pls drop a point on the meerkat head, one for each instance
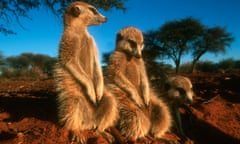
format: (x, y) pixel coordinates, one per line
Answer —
(130, 40)
(82, 14)
(180, 87)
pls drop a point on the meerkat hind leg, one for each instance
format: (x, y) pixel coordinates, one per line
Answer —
(106, 115)
(106, 112)
(134, 123)
(160, 117)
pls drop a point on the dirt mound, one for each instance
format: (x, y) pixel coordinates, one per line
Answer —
(28, 113)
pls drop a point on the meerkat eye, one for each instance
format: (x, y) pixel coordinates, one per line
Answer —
(181, 91)
(94, 11)
(132, 43)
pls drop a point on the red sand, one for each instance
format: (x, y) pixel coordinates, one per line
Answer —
(28, 113)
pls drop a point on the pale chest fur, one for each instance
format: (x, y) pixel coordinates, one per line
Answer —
(132, 71)
(85, 54)
(78, 49)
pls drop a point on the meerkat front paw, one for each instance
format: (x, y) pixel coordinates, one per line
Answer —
(137, 98)
(91, 94)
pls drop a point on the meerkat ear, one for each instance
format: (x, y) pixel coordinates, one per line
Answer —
(75, 11)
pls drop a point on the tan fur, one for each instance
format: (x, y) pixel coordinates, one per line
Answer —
(83, 101)
(185, 84)
(178, 90)
(140, 111)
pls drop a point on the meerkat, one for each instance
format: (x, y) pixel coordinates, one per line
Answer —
(177, 91)
(140, 111)
(83, 102)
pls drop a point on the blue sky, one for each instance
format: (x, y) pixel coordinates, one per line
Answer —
(43, 33)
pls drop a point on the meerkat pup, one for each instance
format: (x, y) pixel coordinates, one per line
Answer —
(141, 112)
(178, 91)
(83, 103)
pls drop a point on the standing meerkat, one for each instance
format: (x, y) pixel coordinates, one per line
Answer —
(177, 91)
(83, 103)
(141, 112)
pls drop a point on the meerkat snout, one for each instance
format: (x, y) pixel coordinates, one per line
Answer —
(137, 54)
(102, 19)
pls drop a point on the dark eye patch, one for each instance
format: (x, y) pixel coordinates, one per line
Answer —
(94, 11)
(132, 43)
(181, 91)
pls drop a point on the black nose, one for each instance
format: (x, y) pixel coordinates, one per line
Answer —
(138, 56)
(105, 19)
